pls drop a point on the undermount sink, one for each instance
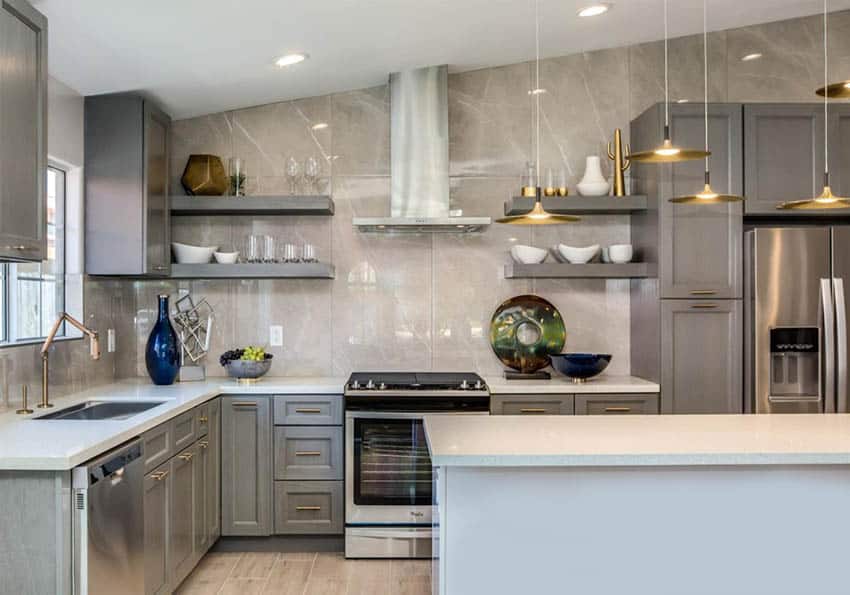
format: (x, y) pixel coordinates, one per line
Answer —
(103, 410)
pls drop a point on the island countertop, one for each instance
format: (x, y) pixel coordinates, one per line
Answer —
(650, 440)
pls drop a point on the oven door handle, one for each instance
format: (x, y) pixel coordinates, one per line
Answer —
(360, 414)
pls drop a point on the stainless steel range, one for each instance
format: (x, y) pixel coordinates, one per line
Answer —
(388, 479)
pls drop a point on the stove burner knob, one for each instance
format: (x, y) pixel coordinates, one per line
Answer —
(464, 385)
(370, 385)
(355, 385)
(478, 385)
(382, 386)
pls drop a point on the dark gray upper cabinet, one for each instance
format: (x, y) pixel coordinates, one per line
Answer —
(697, 247)
(23, 132)
(839, 148)
(126, 170)
(783, 154)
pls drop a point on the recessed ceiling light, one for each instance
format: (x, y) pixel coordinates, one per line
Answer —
(320, 126)
(537, 91)
(290, 59)
(753, 56)
(594, 10)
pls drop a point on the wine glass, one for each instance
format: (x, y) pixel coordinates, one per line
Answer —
(293, 170)
(311, 172)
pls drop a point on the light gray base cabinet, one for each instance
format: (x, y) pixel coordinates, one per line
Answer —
(308, 507)
(617, 404)
(531, 404)
(581, 404)
(181, 496)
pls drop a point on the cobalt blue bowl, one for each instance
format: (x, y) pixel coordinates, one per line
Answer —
(580, 366)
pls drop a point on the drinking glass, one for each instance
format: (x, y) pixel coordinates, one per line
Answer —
(562, 183)
(309, 253)
(237, 173)
(549, 189)
(290, 253)
(254, 247)
(268, 249)
(311, 173)
(293, 170)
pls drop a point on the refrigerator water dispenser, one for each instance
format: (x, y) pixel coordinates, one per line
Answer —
(794, 363)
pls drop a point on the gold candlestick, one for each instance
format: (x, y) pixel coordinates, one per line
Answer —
(621, 162)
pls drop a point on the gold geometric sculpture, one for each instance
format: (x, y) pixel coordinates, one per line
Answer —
(204, 176)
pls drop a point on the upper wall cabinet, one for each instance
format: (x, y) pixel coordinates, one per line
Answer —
(839, 151)
(127, 204)
(23, 132)
(697, 247)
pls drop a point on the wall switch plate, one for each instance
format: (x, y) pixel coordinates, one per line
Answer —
(110, 340)
(276, 336)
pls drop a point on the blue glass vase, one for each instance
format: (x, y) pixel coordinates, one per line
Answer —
(162, 355)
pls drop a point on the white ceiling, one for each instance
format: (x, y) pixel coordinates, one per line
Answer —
(204, 56)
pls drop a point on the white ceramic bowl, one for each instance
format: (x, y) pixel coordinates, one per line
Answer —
(620, 253)
(226, 257)
(186, 254)
(576, 255)
(528, 254)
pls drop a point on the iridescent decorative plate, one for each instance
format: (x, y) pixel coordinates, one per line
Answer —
(525, 330)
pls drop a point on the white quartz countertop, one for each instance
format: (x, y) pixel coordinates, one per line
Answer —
(498, 385)
(40, 445)
(650, 440)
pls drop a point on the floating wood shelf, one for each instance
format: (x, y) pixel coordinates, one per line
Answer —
(300, 270)
(630, 270)
(313, 205)
(579, 205)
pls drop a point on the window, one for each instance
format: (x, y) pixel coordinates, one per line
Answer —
(33, 294)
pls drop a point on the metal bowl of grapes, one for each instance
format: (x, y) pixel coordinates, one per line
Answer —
(246, 365)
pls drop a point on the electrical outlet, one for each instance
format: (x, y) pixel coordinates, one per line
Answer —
(110, 340)
(276, 336)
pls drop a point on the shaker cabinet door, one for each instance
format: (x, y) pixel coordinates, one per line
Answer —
(158, 223)
(23, 132)
(701, 245)
(213, 476)
(246, 466)
(701, 356)
(156, 503)
(783, 155)
(181, 531)
(839, 149)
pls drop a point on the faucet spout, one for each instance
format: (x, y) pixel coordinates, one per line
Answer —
(94, 350)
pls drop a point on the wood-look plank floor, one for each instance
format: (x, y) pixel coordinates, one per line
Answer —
(248, 573)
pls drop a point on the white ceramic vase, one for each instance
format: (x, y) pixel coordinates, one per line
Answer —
(593, 183)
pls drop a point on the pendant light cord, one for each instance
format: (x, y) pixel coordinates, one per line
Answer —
(705, 75)
(666, 70)
(825, 96)
(537, 90)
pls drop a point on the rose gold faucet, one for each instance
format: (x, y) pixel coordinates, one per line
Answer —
(94, 350)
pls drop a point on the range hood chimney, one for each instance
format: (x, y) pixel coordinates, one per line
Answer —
(419, 157)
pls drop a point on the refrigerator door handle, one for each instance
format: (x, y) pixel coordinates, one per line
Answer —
(828, 313)
(840, 343)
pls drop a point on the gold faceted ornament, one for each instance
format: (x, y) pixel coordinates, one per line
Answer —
(204, 176)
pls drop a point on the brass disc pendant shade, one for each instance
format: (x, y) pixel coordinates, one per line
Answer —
(667, 152)
(538, 215)
(826, 199)
(707, 196)
(835, 90)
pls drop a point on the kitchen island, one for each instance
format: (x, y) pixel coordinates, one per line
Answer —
(658, 505)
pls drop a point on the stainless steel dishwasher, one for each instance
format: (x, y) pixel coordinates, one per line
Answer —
(109, 530)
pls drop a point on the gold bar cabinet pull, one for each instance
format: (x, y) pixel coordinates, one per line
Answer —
(308, 410)
(160, 475)
(532, 410)
(244, 404)
(617, 409)
(703, 306)
(308, 453)
(299, 508)
(703, 292)
(24, 410)
(186, 456)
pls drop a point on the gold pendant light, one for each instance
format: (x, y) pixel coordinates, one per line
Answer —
(826, 199)
(667, 152)
(707, 196)
(835, 90)
(538, 215)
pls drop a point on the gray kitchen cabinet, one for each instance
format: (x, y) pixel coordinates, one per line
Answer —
(23, 132)
(617, 404)
(200, 530)
(213, 476)
(308, 410)
(698, 248)
(531, 404)
(839, 150)
(183, 432)
(126, 183)
(308, 507)
(702, 356)
(246, 466)
(181, 515)
(156, 504)
(308, 452)
(158, 445)
(783, 155)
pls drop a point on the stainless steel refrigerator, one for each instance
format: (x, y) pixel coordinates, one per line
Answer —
(795, 317)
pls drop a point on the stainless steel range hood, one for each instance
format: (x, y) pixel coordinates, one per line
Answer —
(419, 157)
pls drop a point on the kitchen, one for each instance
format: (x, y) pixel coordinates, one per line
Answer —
(280, 486)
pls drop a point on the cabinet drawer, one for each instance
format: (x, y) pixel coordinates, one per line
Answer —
(308, 507)
(308, 410)
(202, 420)
(158, 445)
(184, 430)
(308, 452)
(532, 405)
(642, 404)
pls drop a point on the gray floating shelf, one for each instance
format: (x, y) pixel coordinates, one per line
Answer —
(579, 205)
(300, 270)
(630, 270)
(252, 205)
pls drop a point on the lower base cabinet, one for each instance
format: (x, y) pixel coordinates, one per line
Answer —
(157, 498)
(308, 507)
(617, 404)
(581, 404)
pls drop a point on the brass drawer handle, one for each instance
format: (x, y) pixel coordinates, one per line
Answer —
(159, 267)
(203, 419)
(300, 508)
(244, 404)
(703, 306)
(703, 292)
(617, 409)
(204, 444)
(308, 453)
(160, 475)
(21, 248)
(308, 411)
(186, 456)
(533, 410)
